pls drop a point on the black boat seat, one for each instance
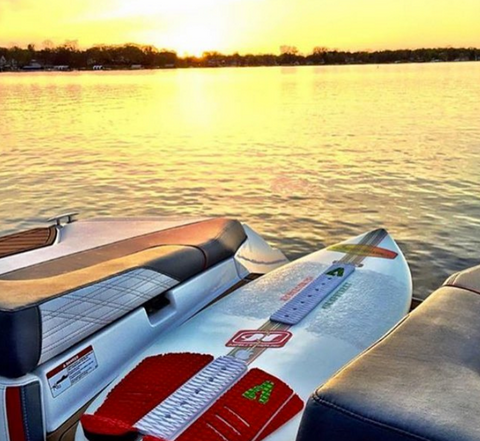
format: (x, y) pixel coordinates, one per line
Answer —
(167, 259)
(216, 239)
(49, 307)
(420, 382)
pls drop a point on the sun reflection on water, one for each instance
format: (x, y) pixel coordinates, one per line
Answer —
(308, 156)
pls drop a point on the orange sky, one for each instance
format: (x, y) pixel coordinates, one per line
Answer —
(193, 26)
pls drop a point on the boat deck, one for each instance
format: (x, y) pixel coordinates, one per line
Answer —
(27, 241)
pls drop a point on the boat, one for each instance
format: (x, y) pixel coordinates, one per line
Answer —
(246, 347)
(244, 368)
(33, 66)
(80, 298)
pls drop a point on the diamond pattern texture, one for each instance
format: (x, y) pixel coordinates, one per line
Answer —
(176, 412)
(69, 319)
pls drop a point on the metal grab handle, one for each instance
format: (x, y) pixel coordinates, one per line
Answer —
(69, 217)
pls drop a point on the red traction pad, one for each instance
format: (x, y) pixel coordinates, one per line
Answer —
(251, 410)
(153, 380)
(257, 405)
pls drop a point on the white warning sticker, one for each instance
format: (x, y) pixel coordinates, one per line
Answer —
(72, 371)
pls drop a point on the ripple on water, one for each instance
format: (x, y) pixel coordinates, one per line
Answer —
(307, 156)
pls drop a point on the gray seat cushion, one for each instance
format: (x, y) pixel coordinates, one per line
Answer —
(421, 382)
(48, 307)
(210, 242)
(468, 279)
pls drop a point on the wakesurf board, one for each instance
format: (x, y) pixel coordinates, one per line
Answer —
(242, 369)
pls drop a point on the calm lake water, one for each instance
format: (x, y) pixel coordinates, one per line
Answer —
(308, 156)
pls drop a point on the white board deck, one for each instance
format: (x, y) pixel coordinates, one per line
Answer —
(373, 299)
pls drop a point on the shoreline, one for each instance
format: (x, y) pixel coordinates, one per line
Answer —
(137, 57)
(136, 69)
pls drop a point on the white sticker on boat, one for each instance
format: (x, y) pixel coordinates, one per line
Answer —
(72, 371)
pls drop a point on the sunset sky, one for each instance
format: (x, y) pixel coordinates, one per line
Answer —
(193, 26)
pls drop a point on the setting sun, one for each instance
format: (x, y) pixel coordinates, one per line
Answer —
(192, 40)
(194, 26)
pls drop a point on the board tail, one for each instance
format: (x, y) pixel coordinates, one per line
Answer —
(252, 409)
(255, 404)
(153, 380)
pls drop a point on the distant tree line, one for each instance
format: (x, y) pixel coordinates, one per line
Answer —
(69, 54)
(131, 55)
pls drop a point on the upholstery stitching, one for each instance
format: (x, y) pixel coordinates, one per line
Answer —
(103, 289)
(91, 321)
(75, 300)
(63, 294)
(52, 315)
(90, 326)
(107, 303)
(228, 228)
(87, 325)
(474, 291)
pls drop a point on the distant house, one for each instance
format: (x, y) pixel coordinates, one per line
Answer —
(12, 65)
(62, 68)
(97, 67)
(33, 66)
(136, 66)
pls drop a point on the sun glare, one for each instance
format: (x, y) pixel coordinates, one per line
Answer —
(190, 27)
(194, 40)
(127, 8)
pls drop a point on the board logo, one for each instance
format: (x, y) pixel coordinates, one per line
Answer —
(337, 272)
(363, 250)
(259, 339)
(261, 392)
(290, 294)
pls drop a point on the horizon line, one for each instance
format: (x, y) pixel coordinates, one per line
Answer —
(74, 45)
